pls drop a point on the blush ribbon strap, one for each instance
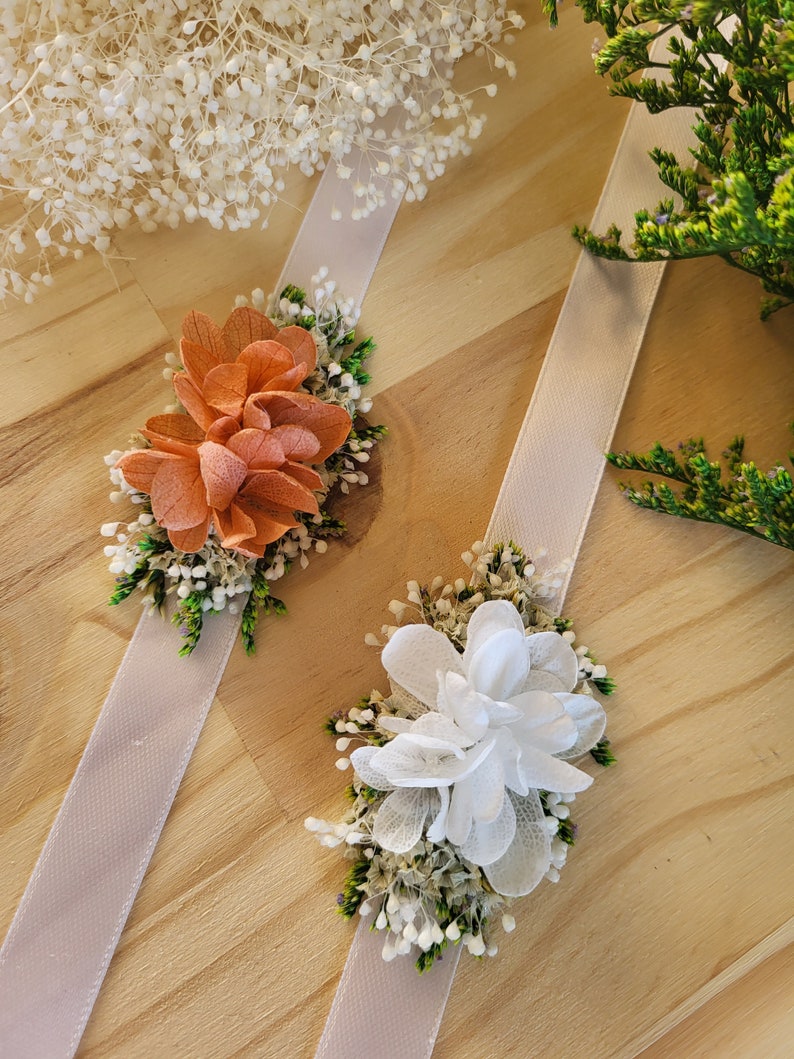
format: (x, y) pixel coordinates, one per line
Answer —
(73, 910)
(385, 1010)
(82, 888)
(545, 500)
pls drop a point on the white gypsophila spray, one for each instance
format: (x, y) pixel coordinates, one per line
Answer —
(115, 112)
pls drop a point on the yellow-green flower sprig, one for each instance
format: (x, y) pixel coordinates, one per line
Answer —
(737, 200)
(745, 499)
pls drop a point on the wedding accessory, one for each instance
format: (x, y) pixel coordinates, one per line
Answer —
(545, 500)
(463, 787)
(68, 923)
(232, 489)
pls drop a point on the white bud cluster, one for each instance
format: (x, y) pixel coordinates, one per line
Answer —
(117, 112)
(331, 835)
(407, 922)
(588, 669)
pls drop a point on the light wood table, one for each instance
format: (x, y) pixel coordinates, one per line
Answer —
(670, 932)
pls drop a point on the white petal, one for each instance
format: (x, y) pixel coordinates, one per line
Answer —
(459, 818)
(529, 855)
(553, 663)
(431, 744)
(404, 761)
(538, 707)
(395, 724)
(400, 819)
(368, 773)
(403, 702)
(547, 773)
(462, 702)
(436, 725)
(487, 842)
(487, 787)
(500, 713)
(509, 753)
(500, 666)
(590, 719)
(413, 656)
(554, 737)
(421, 761)
(489, 618)
(438, 829)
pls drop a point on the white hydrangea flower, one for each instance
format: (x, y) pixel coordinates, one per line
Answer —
(501, 721)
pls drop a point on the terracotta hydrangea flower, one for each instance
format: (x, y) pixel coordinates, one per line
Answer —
(240, 457)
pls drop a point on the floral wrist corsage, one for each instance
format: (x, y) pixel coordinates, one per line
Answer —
(232, 481)
(465, 777)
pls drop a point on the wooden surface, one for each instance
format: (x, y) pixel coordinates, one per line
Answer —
(670, 933)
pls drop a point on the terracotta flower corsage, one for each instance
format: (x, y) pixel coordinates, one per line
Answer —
(232, 482)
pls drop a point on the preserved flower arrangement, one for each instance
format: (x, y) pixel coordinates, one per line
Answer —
(464, 781)
(231, 483)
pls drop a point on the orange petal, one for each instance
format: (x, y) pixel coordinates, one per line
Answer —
(248, 530)
(222, 429)
(234, 526)
(176, 426)
(223, 473)
(329, 423)
(274, 489)
(190, 398)
(265, 361)
(298, 442)
(303, 346)
(305, 475)
(179, 497)
(139, 468)
(259, 449)
(288, 380)
(245, 326)
(198, 328)
(226, 388)
(197, 361)
(254, 415)
(191, 540)
(270, 525)
(176, 448)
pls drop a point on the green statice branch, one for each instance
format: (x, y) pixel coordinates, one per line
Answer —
(152, 580)
(735, 196)
(260, 601)
(739, 496)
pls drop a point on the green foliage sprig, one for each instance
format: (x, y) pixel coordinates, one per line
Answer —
(737, 200)
(745, 498)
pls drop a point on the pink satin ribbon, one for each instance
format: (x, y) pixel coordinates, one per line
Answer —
(74, 908)
(545, 500)
(68, 923)
(385, 1010)
(350, 249)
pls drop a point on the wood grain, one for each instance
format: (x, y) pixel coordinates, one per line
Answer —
(669, 934)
